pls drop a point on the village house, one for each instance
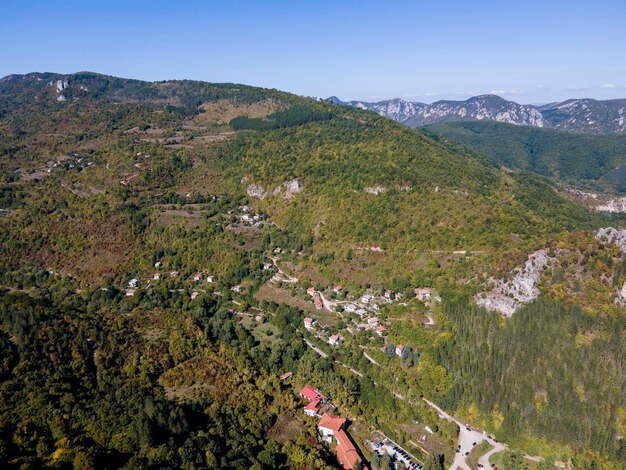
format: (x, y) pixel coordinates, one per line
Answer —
(210, 279)
(337, 289)
(174, 274)
(278, 250)
(390, 295)
(380, 330)
(372, 321)
(317, 300)
(361, 312)
(334, 340)
(197, 277)
(309, 393)
(312, 409)
(130, 292)
(285, 376)
(156, 276)
(133, 282)
(399, 349)
(366, 299)
(422, 293)
(311, 291)
(267, 266)
(350, 308)
(329, 425)
(309, 322)
(158, 264)
(194, 295)
(236, 289)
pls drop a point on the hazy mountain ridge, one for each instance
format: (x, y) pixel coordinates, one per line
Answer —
(578, 115)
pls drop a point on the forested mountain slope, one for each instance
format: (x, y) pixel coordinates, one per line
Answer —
(159, 238)
(588, 161)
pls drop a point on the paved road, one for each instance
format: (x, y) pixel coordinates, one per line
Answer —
(467, 438)
(316, 349)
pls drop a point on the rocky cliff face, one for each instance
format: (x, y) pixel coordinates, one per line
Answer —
(506, 296)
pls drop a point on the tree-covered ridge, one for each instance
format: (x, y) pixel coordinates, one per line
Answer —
(588, 161)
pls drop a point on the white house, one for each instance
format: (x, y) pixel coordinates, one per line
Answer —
(156, 276)
(361, 312)
(158, 264)
(174, 274)
(133, 282)
(309, 322)
(399, 349)
(350, 308)
(366, 299)
(372, 321)
(197, 277)
(209, 279)
(334, 340)
(423, 293)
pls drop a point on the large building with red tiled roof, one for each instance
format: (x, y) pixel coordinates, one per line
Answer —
(329, 425)
(347, 454)
(312, 394)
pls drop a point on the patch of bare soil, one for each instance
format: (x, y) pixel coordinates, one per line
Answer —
(223, 111)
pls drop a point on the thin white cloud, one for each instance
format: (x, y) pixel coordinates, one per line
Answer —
(507, 92)
(578, 88)
(612, 86)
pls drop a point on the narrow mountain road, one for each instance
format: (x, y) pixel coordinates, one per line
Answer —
(283, 277)
(315, 348)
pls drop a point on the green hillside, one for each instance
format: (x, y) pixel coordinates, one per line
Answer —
(593, 162)
(106, 183)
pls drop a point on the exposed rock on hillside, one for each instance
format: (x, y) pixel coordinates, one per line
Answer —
(612, 235)
(375, 190)
(254, 190)
(288, 189)
(600, 202)
(506, 296)
(291, 188)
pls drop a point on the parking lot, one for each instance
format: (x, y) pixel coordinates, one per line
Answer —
(396, 453)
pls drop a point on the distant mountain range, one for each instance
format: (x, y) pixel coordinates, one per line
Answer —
(578, 115)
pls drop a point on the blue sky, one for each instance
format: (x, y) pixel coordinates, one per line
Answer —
(529, 51)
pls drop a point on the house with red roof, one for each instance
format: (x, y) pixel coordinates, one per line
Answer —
(399, 349)
(380, 330)
(334, 340)
(318, 301)
(285, 376)
(312, 409)
(347, 454)
(329, 425)
(309, 393)
(337, 289)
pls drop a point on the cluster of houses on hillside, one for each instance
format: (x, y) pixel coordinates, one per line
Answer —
(333, 340)
(133, 284)
(248, 218)
(332, 428)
